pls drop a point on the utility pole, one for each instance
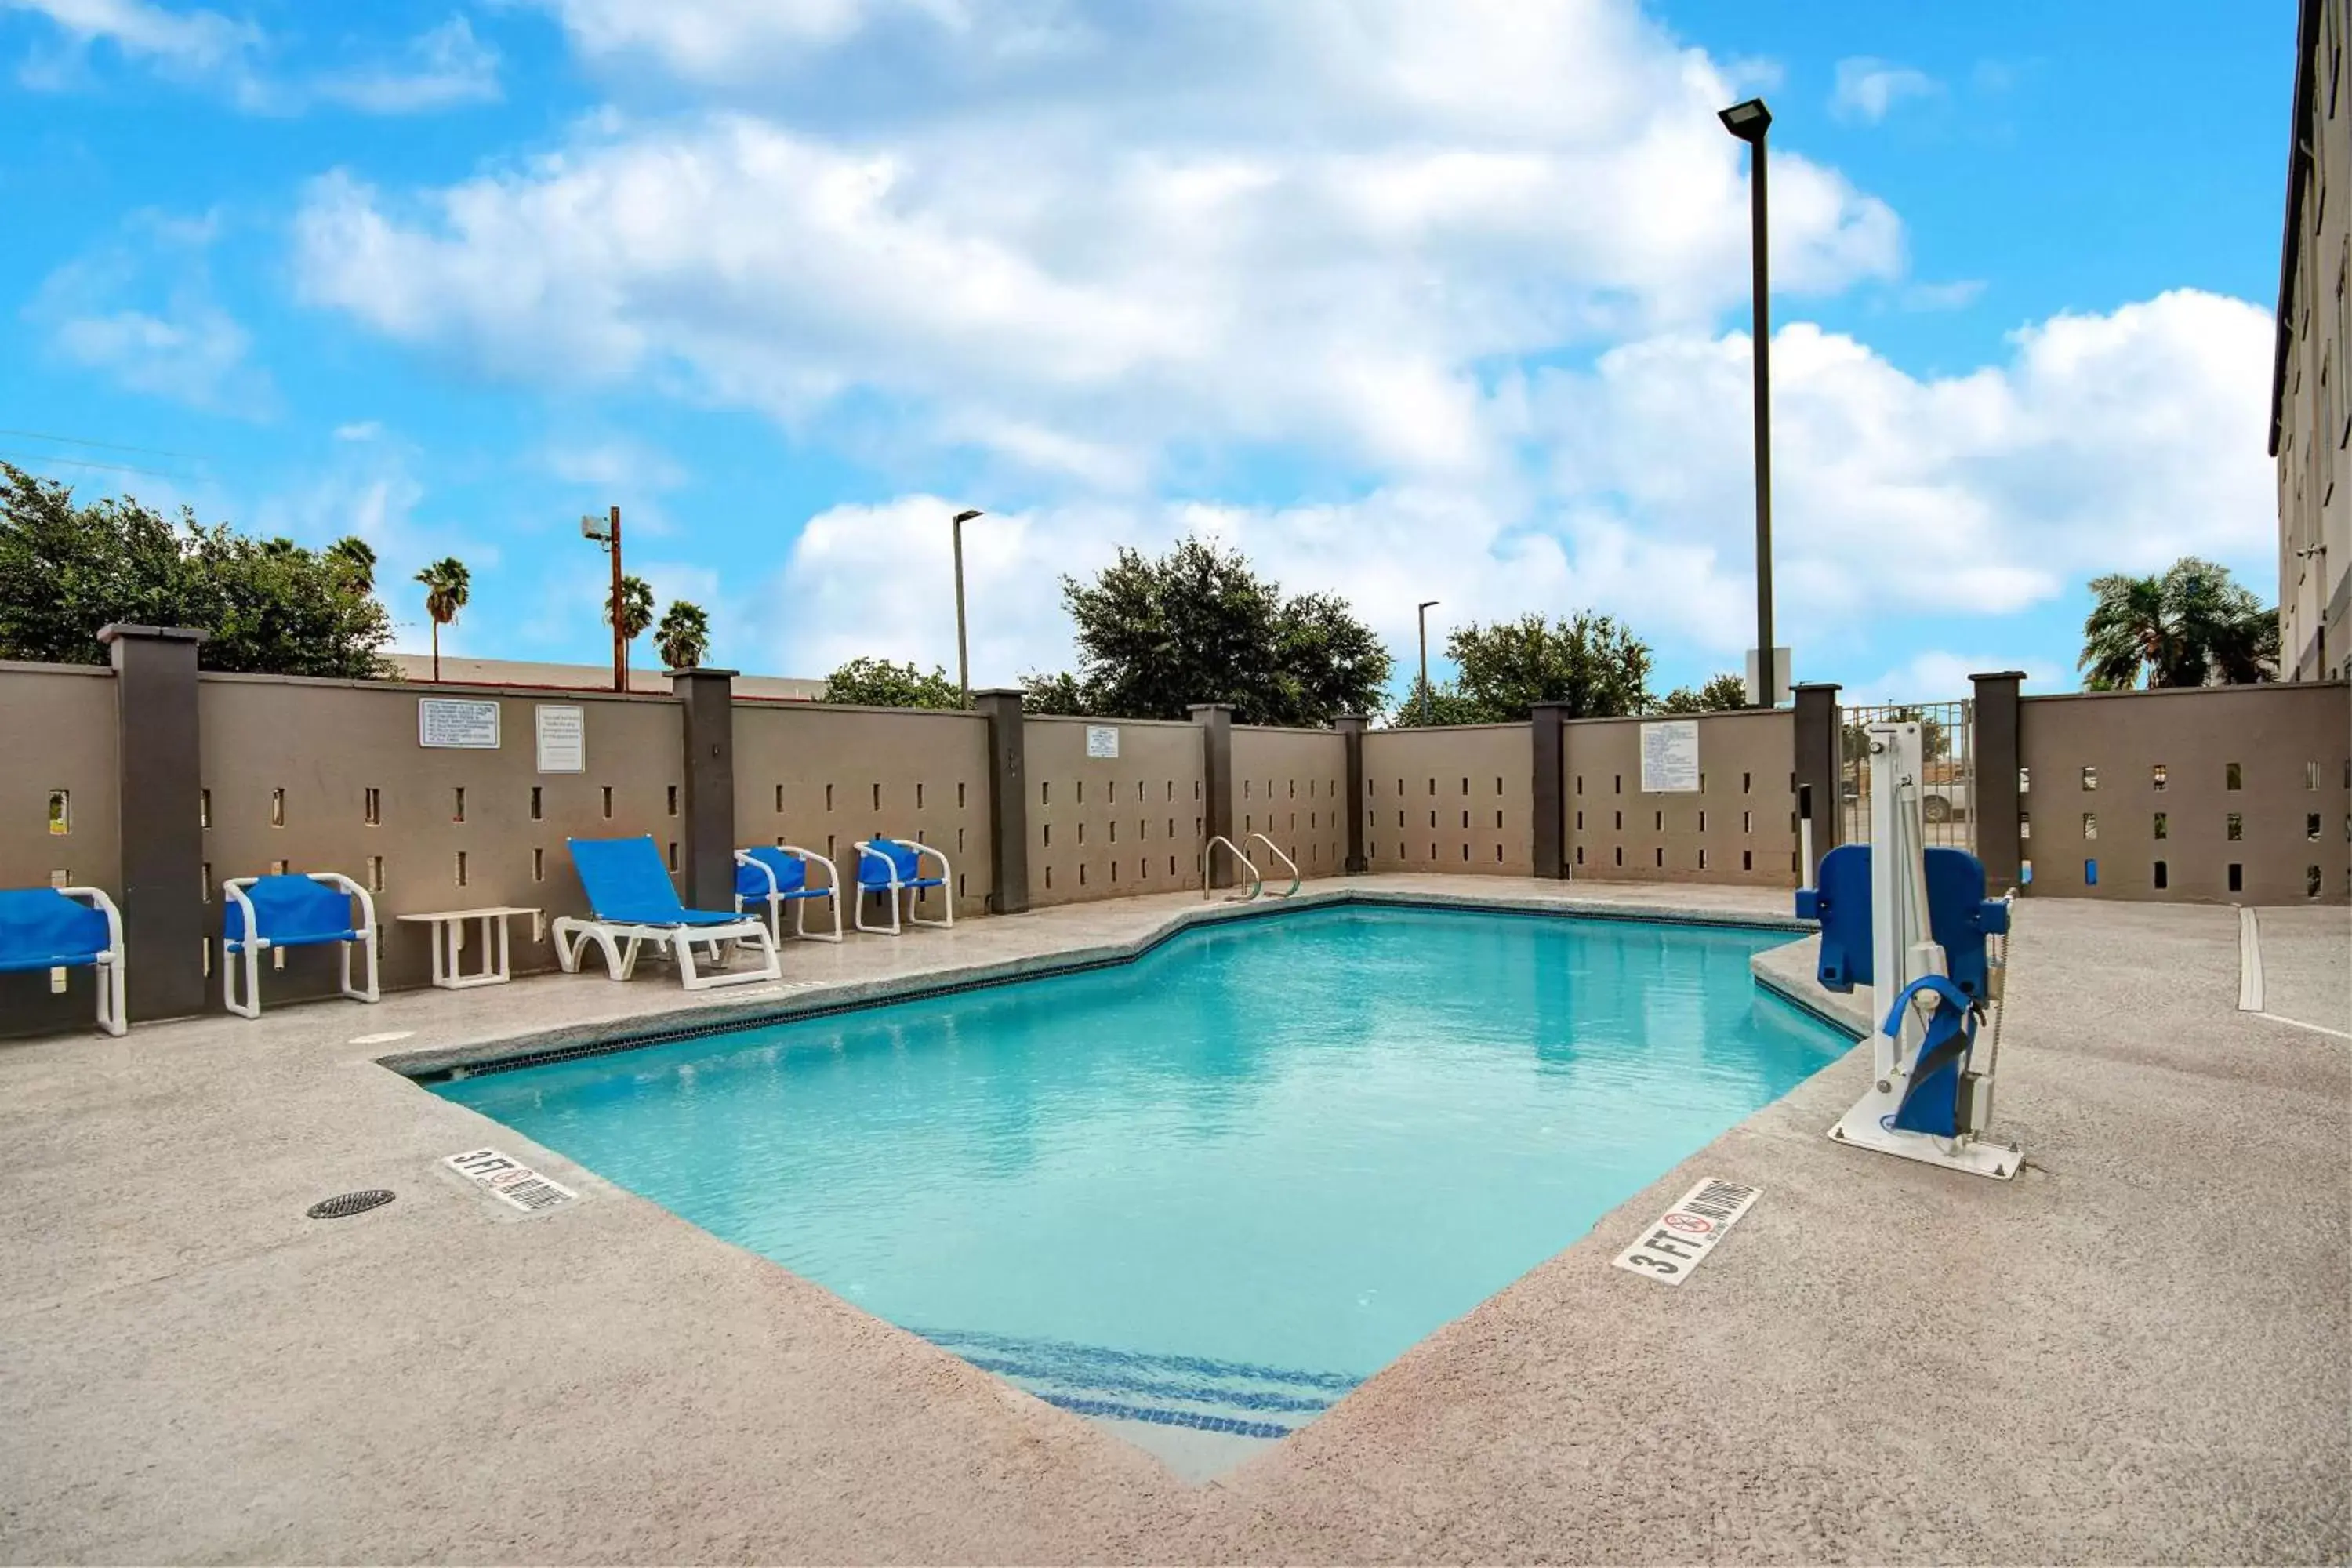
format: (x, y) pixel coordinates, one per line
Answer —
(1423, 613)
(620, 643)
(963, 654)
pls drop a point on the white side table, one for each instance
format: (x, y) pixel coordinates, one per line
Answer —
(448, 935)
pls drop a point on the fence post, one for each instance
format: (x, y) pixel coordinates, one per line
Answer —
(159, 759)
(1816, 767)
(1351, 731)
(1550, 722)
(1216, 721)
(709, 699)
(1998, 741)
(1008, 799)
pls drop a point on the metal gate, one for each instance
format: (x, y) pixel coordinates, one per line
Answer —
(1947, 749)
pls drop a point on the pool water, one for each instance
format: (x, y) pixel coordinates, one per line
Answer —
(1215, 1188)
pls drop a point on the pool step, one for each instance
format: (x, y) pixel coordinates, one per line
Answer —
(1166, 1390)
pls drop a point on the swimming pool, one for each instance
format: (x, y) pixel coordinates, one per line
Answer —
(1217, 1187)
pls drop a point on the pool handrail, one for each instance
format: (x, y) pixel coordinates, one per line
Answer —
(1287, 864)
(1208, 865)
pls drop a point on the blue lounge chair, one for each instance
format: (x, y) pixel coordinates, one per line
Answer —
(293, 910)
(774, 877)
(634, 905)
(889, 866)
(48, 928)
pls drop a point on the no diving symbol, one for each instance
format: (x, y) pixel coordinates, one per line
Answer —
(1689, 1222)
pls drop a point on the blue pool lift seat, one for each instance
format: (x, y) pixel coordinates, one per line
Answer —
(770, 879)
(65, 928)
(293, 909)
(634, 905)
(1960, 919)
(888, 868)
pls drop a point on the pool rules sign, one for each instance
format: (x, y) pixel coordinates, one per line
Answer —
(1688, 1231)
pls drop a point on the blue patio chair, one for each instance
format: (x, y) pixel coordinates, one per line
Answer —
(292, 909)
(633, 905)
(889, 866)
(774, 877)
(51, 928)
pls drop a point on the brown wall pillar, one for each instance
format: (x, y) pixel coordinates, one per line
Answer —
(1550, 722)
(1997, 739)
(156, 739)
(709, 699)
(1816, 767)
(1351, 731)
(1216, 721)
(1008, 800)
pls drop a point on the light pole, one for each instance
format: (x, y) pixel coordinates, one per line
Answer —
(1423, 613)
(963, 657)
(1750, 121)
(607, 531)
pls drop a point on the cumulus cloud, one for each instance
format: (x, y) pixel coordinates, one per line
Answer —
(140, 309)
(440, 69)
(1867, 90)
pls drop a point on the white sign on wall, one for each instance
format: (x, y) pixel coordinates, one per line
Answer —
(1102, 740)
(1670, 757)
(562, 738)
(457, 721)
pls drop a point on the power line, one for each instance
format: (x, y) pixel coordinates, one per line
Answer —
(86, 463)
(107, 445)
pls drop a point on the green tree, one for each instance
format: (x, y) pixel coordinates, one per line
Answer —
(1197, 625)
(355, 558)
(629, 605)
(879, 683)
(1061, 693)
(447, 587)
(683, 638)
(1593, 663)
(1719, 695)
(2190, 627)
(268, 607)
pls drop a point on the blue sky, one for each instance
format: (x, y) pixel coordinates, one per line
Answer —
(1406, 301)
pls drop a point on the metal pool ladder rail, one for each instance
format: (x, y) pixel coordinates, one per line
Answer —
(1287, 864)
(1208, 863)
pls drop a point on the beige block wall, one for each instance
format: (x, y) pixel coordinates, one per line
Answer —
(1106, 827)
(1739, 827)
(325, 744)
(2093, 792)
(58, 721)
(1289, 785)
(824, 778)
(1456, 799)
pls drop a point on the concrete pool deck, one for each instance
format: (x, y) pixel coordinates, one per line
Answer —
(2141, 1350)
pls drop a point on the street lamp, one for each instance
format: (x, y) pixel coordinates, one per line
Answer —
(607, 531)
(1426, 606)
(963, 657)
(1750, 121)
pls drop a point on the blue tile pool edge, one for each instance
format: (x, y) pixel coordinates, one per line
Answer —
(481, 1057)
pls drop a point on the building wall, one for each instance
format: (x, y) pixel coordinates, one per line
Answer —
(2312, 433)
(1103, 827)
(1739, 827)
(59, 719)
(1458, 799)
(288, 769)
(824, 778)
(2250, 782)
(1287, 784)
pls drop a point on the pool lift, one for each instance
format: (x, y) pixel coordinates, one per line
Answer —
(1913, 923)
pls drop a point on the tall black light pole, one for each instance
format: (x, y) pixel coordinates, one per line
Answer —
(1425, 605)
(963, 658)
(1750, 121)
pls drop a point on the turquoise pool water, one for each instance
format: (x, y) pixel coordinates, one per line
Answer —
(1217, 1187)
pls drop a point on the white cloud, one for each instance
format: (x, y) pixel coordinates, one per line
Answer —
(440, 69)
(1867, 90)
(1940, 676)
(611, 461)
(1957, 294)
(359, 430)
(141, 310)
(192, 43)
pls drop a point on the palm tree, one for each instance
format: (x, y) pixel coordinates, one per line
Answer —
(636, 613)
(2191, 626)
(355, 558)
(683, 638)
(447, 584)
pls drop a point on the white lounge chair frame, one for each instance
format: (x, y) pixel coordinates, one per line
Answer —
(621, 942)
(111, 1016)
(871, 848)
(241, 908)
(776, 898)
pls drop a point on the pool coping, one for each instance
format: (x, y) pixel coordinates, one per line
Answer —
(701, 1013)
